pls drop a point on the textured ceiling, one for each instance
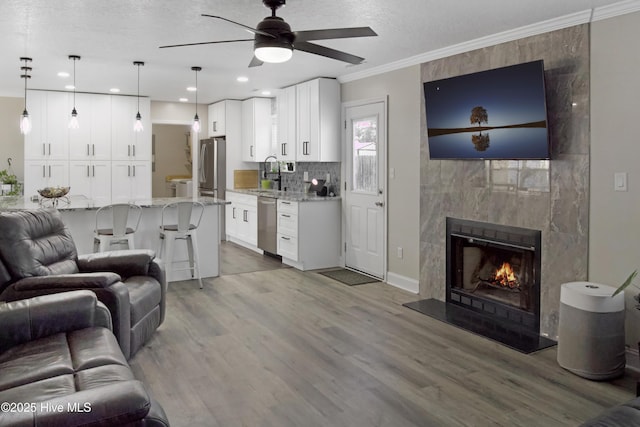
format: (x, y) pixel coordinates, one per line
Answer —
(110, 34)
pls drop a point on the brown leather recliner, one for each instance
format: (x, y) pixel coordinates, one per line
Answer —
(60, 365)
(38, 256)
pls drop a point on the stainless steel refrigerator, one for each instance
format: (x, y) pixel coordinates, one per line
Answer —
(212, 171)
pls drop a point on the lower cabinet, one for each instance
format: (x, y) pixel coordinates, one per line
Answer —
(241, 219)
(39, 174)
(130, 181)
(309, 233)
(91, 179)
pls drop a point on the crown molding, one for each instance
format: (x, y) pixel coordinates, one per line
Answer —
(561, 22)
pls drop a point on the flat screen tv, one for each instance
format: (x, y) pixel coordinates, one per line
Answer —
(494, 114)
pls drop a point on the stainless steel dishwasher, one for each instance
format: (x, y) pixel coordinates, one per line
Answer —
(268, 224)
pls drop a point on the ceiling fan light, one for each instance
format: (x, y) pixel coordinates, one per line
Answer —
(273, 54)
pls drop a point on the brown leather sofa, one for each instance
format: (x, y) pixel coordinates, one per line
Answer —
(38, 257)
(60, 365)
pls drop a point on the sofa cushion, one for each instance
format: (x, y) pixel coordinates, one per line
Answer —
(34, 244)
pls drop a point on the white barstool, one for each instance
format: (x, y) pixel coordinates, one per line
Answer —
(179, 221)
(116, 224)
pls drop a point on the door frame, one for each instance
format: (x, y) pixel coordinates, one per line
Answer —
(383, 179)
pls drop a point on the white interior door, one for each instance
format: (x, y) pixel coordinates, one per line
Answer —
(365, 192)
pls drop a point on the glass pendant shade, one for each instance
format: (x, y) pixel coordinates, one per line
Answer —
(137, 126)
(196, 124)
(25, 123)
(73, 122)
(273, 54)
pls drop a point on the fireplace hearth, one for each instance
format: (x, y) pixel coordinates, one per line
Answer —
(492, 283)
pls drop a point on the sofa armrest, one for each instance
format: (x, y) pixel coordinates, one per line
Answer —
(117, 404)
(33, 318)
(126, 263)
(66, 281)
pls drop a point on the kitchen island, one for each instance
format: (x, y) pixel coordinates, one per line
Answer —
(78, 214)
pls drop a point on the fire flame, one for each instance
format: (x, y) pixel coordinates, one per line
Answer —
(505, 276)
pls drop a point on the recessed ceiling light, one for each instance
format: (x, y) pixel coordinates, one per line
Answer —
(63, 74)
(183, 100)
(192, 89)
(70, 87)
(114, 90)
(243, 79)
(266, 92)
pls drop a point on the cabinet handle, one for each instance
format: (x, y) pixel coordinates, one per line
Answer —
(49, 171)
(129, 150)
(87, 149)
(134, 152)
(44, 149)
(251, 151)
(283, 149)
(134, 170)
(93, 170)
(88, 170)
(215, 126)
(285, 238)
(49, 148)
(128, 170)
(44, 171)
(285, 215)
(245, 215)
(93, 149)
(233, 211)
(285, 203)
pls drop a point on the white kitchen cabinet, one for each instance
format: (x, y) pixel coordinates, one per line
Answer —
(256, 130)
(91, 179)
(130, 181)
(45, 173)
(92, 141)
(242, 219)
(125, 143)
(49, 137)
(217, 119)
(286, 106)
(318, 121)
(309, 233)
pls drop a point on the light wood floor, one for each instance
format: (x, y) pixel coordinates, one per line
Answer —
(279, 347)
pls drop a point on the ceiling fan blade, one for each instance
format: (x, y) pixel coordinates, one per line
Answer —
(255, 62)
(328, 52)
(246, 27)
(199, 43)
(334, 33)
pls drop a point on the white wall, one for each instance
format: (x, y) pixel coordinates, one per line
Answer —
(179, 113)
(614, 240)
(11, 140)
(402, 87)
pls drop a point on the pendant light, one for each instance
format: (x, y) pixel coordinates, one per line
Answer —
(196, 119)
(137, 127)
(73, 122)
(25, 122)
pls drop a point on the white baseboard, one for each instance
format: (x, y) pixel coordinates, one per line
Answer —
(404, 283)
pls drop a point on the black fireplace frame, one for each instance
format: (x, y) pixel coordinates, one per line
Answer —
(499, 236)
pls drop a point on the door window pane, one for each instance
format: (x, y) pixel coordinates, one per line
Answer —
(365, 154)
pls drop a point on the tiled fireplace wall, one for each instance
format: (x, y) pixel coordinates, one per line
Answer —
(551, 196)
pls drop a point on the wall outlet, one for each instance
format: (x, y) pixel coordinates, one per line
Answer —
(399, 252)
(620, 181)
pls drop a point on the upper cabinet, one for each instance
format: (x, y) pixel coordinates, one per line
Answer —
(49, 137)
(92, 140)
(127, 144)
(286, 106)
(256, 130)
(318, 121)
(217, 119)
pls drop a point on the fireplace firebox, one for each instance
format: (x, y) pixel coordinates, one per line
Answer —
(495, 270)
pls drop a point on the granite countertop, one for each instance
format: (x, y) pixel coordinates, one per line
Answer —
(292, 196)
(77, 202)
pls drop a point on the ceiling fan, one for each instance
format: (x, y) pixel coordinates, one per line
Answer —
(274, 41)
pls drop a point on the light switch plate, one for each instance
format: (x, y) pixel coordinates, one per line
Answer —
(620, 181)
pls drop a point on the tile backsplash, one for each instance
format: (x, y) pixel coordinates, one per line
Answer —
(294, 181)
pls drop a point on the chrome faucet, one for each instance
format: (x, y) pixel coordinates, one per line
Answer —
(279, 178)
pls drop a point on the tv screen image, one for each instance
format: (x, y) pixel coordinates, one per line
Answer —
(495, 114)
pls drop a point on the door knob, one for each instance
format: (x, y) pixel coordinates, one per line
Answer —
(379, 204)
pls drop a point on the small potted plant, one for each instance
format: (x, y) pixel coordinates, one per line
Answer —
(626, 284)
(9, 185)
